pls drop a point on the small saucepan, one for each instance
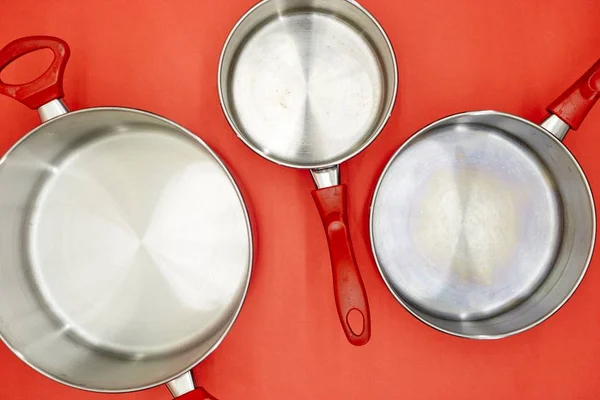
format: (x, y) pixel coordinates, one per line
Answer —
(309, 84)
(483, 223)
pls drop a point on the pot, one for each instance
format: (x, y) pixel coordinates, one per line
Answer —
(125, 244)
(483, 223)
(309, 84)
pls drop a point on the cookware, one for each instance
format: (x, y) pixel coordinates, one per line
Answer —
(309, 84)
(125, 245)
(483, 223)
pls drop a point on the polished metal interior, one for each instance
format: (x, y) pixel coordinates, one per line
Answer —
(482, 224)
(307, 83)
(125, 249)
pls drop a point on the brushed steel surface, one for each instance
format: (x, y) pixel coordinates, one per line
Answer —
(470, 219)
(307, 84)
(555, 126)
(482, 224)
(125, 249)
(52, 109)
(181, 385)
(326, 177)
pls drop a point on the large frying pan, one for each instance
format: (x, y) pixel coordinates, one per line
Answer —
(309, 84)
(483, 223)
(125, 244)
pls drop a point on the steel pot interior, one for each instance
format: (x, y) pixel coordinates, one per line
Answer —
(533, 268)
(105, 218)
(307, 83)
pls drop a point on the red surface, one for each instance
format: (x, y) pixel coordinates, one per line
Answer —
(509, 55)
(198, 394)
(574, 104)
(348, 286)
(49, 85)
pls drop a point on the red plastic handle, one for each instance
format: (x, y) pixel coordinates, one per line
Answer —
(199, 394)
(47, 87)
(348, 286)
(577, 101)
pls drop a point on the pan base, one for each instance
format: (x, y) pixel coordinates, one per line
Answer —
(307, 89)
(138, 243)
(466, 222)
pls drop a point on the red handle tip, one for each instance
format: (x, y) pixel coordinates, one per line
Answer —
(576, 102)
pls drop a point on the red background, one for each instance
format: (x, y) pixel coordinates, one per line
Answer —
(509, 55)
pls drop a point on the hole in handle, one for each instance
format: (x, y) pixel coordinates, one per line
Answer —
(27, 68)
(356, 321)
(595, 81)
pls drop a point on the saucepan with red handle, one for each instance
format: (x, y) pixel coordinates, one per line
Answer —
(483, 223)
(125, 244)
(309, 84)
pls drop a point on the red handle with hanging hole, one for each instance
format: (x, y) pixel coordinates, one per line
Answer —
(577, 101)
(47, 87)
(349, 290)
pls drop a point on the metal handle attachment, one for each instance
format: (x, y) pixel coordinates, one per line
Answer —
(47, 87)
(184, 388)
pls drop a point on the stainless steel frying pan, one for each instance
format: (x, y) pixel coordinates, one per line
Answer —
(309, 84)
(483, 223)
(125, 245)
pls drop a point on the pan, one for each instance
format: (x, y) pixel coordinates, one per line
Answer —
(125, 244)
(309, 84)
(483, 223)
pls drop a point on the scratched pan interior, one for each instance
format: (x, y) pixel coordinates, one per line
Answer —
(137, 249)
(307, 83)
(473, 222)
